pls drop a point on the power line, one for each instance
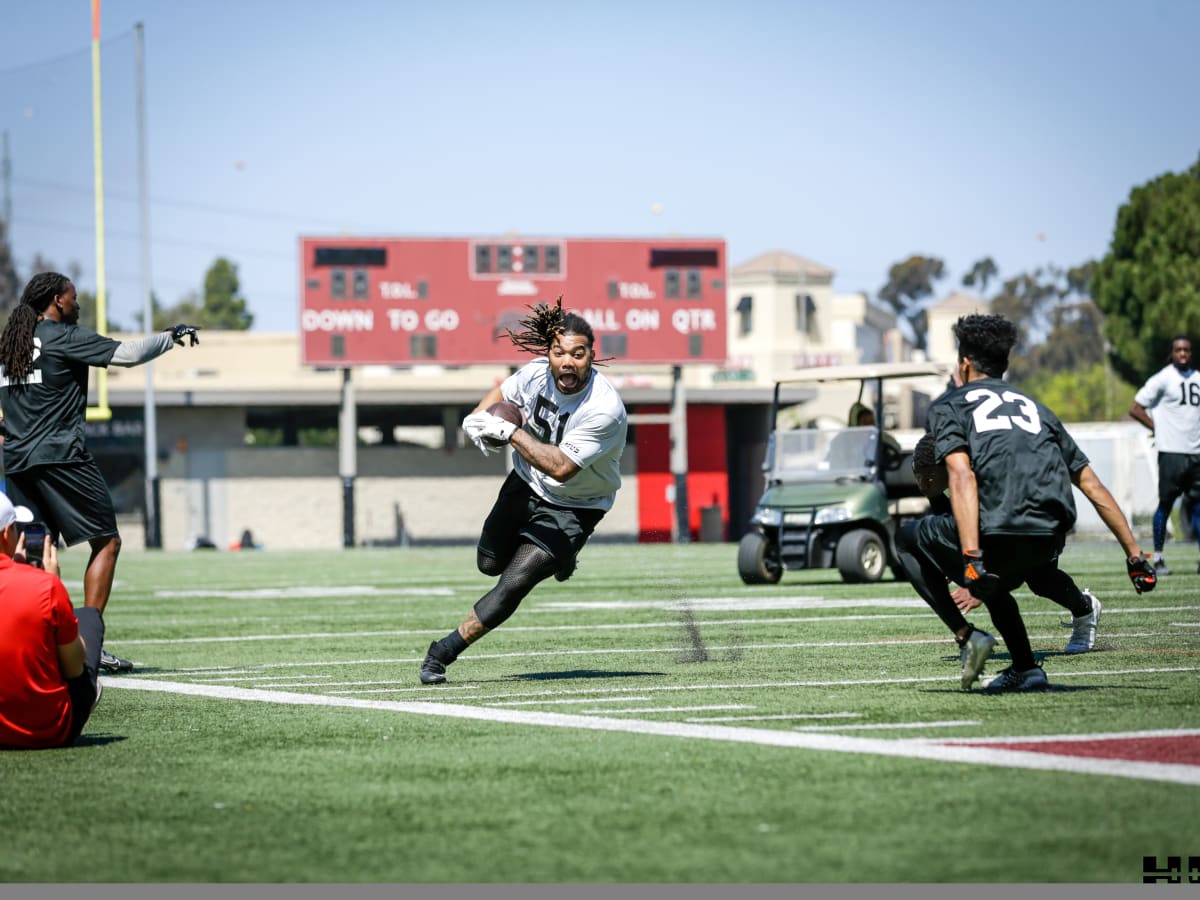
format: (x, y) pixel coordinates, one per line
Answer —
(183, 204)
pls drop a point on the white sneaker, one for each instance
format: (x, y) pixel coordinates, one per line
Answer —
(975, 652)
(1083, 628)
(1012, 680)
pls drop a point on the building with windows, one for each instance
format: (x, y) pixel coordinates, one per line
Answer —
(784, 315)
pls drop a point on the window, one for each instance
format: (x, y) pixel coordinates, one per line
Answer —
(350, 256)
(693, 284)
(671, 284)
(504, 258)
(697, 256)
(613, 345)
(552, 258)
(360, 284)
(337, 284)
(530, 258)
(422, 290)
(695, 345)
(806, 314)
(745, 311)
(613, 291)
(483, 259)
(337, 345)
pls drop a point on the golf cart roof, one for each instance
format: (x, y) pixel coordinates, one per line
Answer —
(868, 371)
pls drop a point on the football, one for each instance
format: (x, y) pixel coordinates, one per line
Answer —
(510, 412)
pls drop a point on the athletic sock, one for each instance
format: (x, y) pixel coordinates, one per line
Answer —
(448, 648)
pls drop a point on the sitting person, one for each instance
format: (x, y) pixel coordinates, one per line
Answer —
(856, 449)
(49, 683)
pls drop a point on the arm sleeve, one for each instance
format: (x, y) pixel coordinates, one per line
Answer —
(135, 353)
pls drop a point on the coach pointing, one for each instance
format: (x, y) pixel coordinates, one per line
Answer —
(44, 360)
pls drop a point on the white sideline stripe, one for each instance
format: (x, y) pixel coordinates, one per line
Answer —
(910, 749)
(652, 710)
(889, 726)
(786, 717)
(575, 700)
(1098, 736)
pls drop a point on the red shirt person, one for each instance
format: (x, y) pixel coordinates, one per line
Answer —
(49, 683)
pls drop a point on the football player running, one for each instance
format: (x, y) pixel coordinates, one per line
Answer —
(566, 471)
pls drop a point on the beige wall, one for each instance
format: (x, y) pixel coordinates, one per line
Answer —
(291, 498)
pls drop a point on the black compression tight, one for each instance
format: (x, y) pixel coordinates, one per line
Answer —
(528, 566)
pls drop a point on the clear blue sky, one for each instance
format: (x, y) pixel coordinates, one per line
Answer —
(853, 133)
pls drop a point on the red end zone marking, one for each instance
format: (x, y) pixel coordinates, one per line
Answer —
(1181, 750)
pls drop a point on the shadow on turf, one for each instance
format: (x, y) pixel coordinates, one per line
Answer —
(98, 740)
(580, 673)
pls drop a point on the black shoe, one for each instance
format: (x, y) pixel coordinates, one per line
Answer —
(113, 664)
(433, 670)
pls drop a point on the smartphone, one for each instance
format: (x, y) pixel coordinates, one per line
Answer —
(35, 541)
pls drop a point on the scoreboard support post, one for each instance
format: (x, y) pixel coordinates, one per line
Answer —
(682, 532)
(347, 455)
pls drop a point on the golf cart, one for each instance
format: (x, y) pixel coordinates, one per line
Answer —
(834, 497)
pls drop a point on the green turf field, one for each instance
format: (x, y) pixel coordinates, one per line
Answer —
(651, 720)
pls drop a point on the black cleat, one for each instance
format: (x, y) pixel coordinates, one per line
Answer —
(433, 670)
(113, 664)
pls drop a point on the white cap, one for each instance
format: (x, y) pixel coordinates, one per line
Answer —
(10, 513)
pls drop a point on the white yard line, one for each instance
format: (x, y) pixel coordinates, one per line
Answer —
(766, 737)
(890, 726)
(787, 717)
(654, 710)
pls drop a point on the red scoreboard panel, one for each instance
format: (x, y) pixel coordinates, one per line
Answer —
(405, 301)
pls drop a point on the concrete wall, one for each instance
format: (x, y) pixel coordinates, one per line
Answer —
(291, 498)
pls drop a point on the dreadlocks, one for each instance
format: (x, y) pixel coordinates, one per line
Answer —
(545, 324)
(16, 342)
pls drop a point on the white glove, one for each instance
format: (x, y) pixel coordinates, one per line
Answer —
(496, 428)
(472, 426)
(481, 425)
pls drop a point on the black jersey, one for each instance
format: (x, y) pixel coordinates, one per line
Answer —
(44, 412)
(1022, 456)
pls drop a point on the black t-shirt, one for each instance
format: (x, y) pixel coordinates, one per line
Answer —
(44, 412)
(1022, 456)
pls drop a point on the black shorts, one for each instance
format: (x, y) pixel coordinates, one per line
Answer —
(71, 499)
(1178, 473)
(1014, 558)
(521, 515)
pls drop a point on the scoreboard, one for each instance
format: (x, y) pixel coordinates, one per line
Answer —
(409, 301)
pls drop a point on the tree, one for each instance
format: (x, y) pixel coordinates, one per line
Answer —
(1148, 285)
(981, 273)
(1091, 394)
(909, 282)
(223, 307)
(1028, 300)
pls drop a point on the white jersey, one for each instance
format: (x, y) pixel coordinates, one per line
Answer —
(588, 427)
(1174, 397)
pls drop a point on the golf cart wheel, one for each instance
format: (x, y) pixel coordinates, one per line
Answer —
(861, 556)
(758, 559)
